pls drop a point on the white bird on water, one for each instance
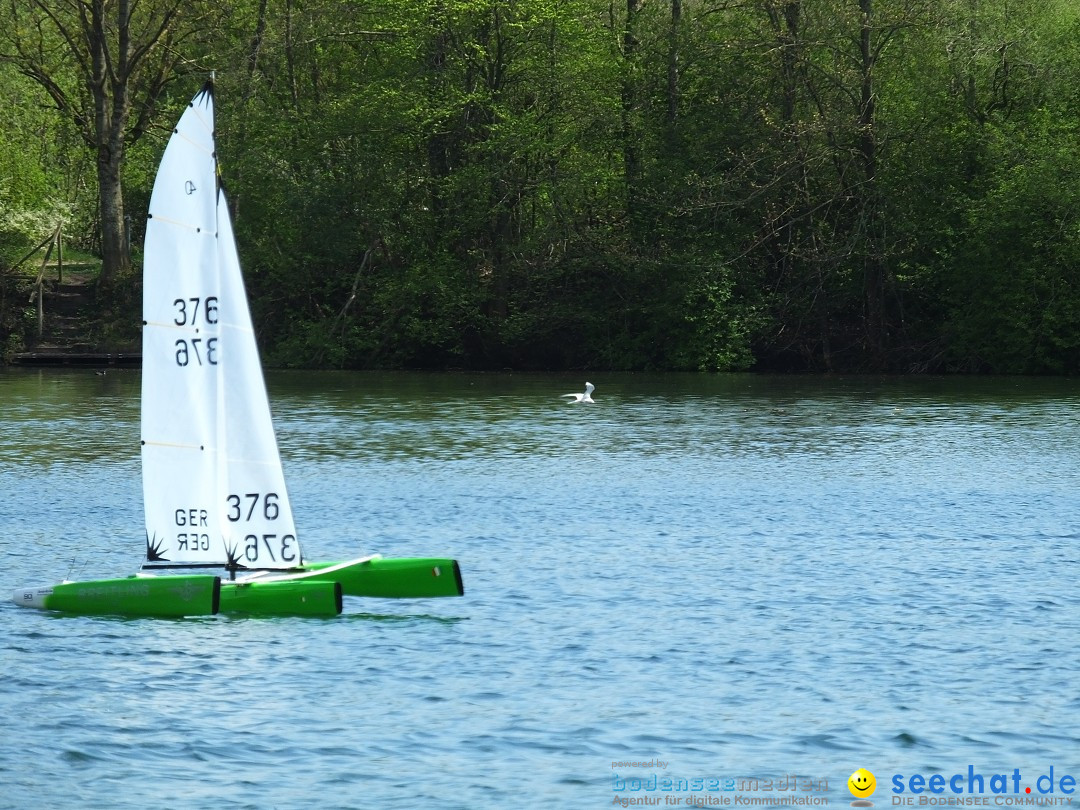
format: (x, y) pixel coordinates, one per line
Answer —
(586, 397)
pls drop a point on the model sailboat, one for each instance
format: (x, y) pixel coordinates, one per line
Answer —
(213, 489)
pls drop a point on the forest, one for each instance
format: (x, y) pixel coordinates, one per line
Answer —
(857, 186)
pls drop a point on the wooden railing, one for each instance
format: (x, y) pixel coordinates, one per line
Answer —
(53, 240)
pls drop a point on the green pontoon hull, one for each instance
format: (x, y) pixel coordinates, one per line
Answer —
(315, 589)
(288, 598)
(184, 595)
(400, 578)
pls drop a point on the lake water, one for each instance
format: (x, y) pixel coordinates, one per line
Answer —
(701, 579)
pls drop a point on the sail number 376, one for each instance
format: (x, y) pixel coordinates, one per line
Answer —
(189, 312)
(256, 506)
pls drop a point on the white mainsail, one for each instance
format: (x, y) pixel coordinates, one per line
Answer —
(213, 488)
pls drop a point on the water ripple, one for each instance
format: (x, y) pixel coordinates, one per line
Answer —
(741, 576)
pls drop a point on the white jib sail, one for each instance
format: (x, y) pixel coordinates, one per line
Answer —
(213, 489)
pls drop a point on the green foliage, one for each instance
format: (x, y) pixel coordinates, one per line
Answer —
(1014, 280)
(883, 185)
(32, 177)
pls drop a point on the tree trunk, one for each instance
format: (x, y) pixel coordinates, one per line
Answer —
(438, 141)
(631, 134)
(111, 109)
(673, 66)
(115, 250)
(873, 264)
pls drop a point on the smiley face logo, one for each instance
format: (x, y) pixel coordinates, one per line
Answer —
(862, 783)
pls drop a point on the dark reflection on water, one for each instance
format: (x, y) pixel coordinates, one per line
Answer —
(740, 575)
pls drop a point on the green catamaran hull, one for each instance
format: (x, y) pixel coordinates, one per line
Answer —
(184, 595)
(394, 578)
(288, 598)
(315, 589)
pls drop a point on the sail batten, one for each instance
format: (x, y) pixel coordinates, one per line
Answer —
(153, 443)
(191, 226)
(213, 487)
(171, 327)
(194, 142)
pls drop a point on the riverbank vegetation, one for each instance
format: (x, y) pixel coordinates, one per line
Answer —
(842, 185)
